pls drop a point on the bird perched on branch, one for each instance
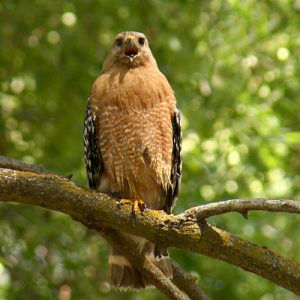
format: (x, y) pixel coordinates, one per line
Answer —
(132, 144)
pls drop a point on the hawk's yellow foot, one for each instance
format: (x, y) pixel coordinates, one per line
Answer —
(137, 205)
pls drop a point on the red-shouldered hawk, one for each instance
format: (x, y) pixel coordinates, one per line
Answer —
(132, 143)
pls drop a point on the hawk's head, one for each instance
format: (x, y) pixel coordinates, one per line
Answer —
(130, 48)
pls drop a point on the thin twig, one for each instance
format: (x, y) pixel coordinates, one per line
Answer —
(143, 264)
(242, 206)
(13, 164)
(187, 283)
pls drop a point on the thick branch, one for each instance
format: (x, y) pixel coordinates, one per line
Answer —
(98, 211)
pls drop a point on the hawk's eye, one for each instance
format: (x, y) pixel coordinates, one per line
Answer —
(141, 41)
(119, 42)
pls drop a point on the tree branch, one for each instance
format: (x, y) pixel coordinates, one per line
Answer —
(187, 283)
(13, 164)
(98, 211)
(143, 264)
(242, 206)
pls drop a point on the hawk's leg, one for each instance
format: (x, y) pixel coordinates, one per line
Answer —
(137, 204)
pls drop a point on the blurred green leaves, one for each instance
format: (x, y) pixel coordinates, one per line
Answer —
(234, 66)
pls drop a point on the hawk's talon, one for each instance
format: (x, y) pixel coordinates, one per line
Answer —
(134, 216)
(118, 205)
(142, 206)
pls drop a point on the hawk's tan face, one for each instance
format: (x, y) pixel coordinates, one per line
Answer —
(130, 48)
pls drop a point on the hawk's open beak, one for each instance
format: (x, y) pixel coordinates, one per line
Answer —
(131, 49)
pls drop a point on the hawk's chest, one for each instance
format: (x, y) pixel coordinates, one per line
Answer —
(133, 118)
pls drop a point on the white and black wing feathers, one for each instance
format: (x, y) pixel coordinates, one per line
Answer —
(176, 171)
(92, 155)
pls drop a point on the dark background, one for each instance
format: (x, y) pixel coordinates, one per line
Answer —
(234, 66)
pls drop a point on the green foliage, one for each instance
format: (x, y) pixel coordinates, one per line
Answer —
(234, 66)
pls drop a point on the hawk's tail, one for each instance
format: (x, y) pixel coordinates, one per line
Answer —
(124, 276)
